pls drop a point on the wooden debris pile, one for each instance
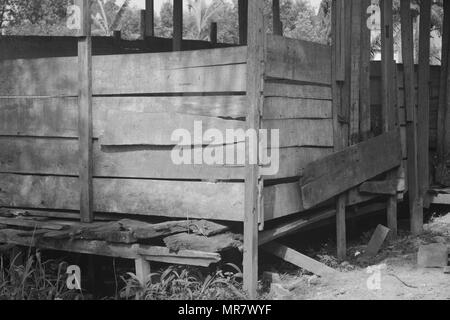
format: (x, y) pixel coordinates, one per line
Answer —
(198, 235)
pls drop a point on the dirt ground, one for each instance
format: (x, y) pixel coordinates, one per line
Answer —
(398, 278)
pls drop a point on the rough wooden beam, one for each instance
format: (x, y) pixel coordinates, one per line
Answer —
(253, 180)
(125, 251)
(388, 187)
(330, 176)
(177, 25)
(85, 113)
(423, 125)
(299, 259)
(415, 199)
(365, 112)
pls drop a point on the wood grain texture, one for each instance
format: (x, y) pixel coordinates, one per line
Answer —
(216, 201)
(300, 91)
(297, 60)
(292, 108)
(176, 72)
(58, 117)
(340, 172)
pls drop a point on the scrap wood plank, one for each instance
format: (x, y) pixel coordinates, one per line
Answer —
(379, 236)
(125, 251)
(341, 171)
(30, 224)
(388, 187)
(299, 259)
(219, 243)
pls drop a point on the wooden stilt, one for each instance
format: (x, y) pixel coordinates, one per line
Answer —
(142, 273)
(142, 269)
(253, 180)
(423, 126)
(243, 21)
(365, 114)
(341, 229)
(85, 112)
(177, 24)
(388, 92)
(415, 199)
(277, 24)
(442, 110)
(340, 11)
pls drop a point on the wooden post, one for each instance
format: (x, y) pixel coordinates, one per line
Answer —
(443, 87)
(277, 24)
(365, 116)
(243, 22)
(253, 180)
(355, 71)
(339, 69)
(423, 126)
(388, 90)
(149, 19)
(142, 272)
(177, 25)
(85, 112)
(415, 199)
(213, 33)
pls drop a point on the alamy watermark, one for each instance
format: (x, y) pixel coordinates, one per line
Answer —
(235, 147)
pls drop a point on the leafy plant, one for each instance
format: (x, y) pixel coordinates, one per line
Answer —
(177, 283)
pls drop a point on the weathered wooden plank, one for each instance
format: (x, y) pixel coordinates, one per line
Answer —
(60, 157)
(277, 108)
(299, 91)
(365, 115)
(125, 128)
(30, 224)
(253, 181)
(302, 132)
(58, 117)
(297, 60)
(355, 71)
(103, 248)
(218, 243)
(176, 72)
(341, 171)
(281, 200)
(423, 111)
(85, 132)
(216, 201)
(415, 199)
(388, 187)
(299, 259)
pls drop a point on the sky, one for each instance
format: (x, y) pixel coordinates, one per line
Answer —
(158, 3)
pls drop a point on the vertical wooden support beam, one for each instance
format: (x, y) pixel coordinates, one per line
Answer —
(365, 115)
(85, 112)
(277, 24)
(423, 126)
(149, 19)
(143, 271)
(443, 87)
(253, 179)
(339, 74)
(388, 93)
(243, 21)
(213, 33)
(177, 25)
(355, 71)
(415, 199)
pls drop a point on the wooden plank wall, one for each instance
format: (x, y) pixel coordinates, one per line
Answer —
(376, 112)
(39, 132)
(298, 102)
